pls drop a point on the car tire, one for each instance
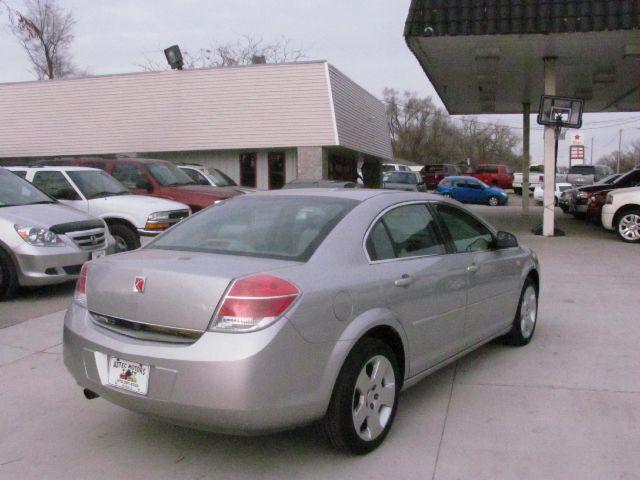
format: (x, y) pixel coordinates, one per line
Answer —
(627, 225)
(517, 191)
(356, 421)
(447, 195)
(126, 238)
(8, 276)
(526, 319)
(493, 201)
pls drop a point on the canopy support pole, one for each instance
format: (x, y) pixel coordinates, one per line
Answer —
(526, 156)
(548, 219)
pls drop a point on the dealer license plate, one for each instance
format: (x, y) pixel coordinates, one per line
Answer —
(98, 254)
(128, 375)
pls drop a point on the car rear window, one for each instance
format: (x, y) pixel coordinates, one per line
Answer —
(288, 228)
(433, 168)
(582, 170)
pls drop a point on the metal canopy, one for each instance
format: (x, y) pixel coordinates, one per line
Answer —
(486, 56)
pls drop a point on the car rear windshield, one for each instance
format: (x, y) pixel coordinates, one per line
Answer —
(400, 177)
(433, 168)
(288, 228)
(221, 179)
(582, 170)
(96, 184)
(15, 191)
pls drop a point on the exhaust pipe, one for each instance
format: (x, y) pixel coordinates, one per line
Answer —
(89, 394)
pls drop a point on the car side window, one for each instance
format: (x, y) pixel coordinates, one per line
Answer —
(56, 185)
(459, 183)
(410, 231)
(21, 173)
(196, 176)
(467, 233)
(474, 185)
(130, 175)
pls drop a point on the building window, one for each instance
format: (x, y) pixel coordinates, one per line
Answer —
(248, 162)
(277, 174)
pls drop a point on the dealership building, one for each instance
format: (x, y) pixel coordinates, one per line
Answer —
(263, 125)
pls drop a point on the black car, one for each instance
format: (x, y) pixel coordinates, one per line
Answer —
(575, 201)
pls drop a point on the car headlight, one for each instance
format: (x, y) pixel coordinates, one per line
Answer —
(37, 236)
(609, 200)
(158, 217)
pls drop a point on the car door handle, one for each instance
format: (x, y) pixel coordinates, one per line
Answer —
(404, 281)
(472, 268)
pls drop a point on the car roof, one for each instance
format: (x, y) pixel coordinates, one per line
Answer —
(53, 161)
(60, 168)
(359, 194)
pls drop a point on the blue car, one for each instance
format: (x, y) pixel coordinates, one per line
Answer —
(471, 190)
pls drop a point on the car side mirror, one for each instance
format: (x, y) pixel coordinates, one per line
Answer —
(505, 240)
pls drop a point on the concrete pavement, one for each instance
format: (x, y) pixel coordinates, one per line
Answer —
(565, 407)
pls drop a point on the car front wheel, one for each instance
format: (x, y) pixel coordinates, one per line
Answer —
(126, 238)
(628, 226)
(365, 398)
(494, 201)
(8, 276)
(524, 323)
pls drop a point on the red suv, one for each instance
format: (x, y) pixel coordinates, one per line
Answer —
(158, 178)
(433, 174)
(494, 175)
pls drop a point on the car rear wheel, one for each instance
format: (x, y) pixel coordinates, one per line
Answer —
(517, 191)
(524, 323)
(126, 238)
(494, 201)
(365, 398)
(628, 226)
(8, 276)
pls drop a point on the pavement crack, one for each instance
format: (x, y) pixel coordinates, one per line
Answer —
(11, 461)
(444, 423)
(550, 387)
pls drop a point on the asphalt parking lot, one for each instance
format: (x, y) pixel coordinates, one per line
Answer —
(566, 406)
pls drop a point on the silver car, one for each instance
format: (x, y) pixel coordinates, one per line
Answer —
(43, 242)
(283, 308)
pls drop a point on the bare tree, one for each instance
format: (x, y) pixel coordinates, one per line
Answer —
(244, 51)
(629, 158)
(45, 32)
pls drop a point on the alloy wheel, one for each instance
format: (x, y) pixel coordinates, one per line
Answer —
(493, 201)
(373, 398)
(629, 227)
(528, 312)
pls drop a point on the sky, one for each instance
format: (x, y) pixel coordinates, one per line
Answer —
(363, 38)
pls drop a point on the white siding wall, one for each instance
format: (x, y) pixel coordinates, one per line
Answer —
(250, 107)
(360, 117)
(229, 162)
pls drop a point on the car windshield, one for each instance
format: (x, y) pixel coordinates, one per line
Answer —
(15, 191)
(608, 180)
(536, 168)
(565, 187)
(97, 184)
(582, 170)
(433, 168)
(630, 178)
(168, 175)
(221, 179)
(400, 177)
(289, 228)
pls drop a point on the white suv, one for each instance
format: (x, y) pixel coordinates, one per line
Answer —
(621, 212)
(94, 191)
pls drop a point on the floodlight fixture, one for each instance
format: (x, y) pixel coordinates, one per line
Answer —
(174, 57)
(560, 112)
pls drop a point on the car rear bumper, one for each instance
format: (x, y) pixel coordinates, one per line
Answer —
(248, 383)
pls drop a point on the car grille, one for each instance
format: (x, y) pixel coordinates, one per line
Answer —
(146, 331)
(90, 239)
(178, 215)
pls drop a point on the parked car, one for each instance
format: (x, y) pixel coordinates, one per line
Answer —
(494, 175)
(158, 178)
(471, 190)
(538, 193)
(575, 201)
(286, 316)
(96, 192)
(319, 184)
(432, 175)
(202, 175)
(43, 242)
(395, 167)
(580, 175)
(536, 178)
(409, 181)
(621, 213)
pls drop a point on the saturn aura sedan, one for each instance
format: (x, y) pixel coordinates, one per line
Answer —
(284, 308)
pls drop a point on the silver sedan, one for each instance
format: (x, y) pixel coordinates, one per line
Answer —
(279, 309)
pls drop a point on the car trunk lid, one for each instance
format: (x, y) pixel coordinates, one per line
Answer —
(180, 290)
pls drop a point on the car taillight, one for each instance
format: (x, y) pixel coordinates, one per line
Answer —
(80, 295)
(253, 303)
(444, 182)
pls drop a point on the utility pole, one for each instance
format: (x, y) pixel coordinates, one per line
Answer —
(619, 152)
(591, 150)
